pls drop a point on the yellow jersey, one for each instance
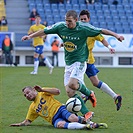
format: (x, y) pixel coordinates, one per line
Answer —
(44, 106)
(90, 44)
(37, 40)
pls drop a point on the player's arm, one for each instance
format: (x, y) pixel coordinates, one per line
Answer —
(53, 91)
(36, 34)
(105, 43)
(24, 123)
(109, 32)
(29, 33)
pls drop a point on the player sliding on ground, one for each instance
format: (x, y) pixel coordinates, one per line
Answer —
(46, 106)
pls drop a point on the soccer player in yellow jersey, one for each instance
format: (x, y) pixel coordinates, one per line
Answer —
(46, 106)
(38, 43)
(91, 70)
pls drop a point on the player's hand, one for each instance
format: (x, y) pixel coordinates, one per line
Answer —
(15, 125)
(120, 38)
(112, 51)
(24, 123)
(38, 88)
(25, 38)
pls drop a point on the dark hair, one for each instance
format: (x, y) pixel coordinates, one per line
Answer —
(85, 12)
(72, 13)
(29, 87)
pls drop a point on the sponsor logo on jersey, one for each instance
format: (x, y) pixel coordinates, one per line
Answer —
(69, 46)
(42, 107)
(39, 108)
(69, 37)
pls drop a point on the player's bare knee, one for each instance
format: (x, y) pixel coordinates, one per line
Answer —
(95, 84)
(61, 124)
(72, 86)
(70, 92)
(73, 118)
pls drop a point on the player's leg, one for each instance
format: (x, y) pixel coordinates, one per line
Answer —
(39, 49)
(76, 81)
(37, 52)
(67, 120)
(36, 63)
(61, 123)
(67, 125)
(91, 72)
(78, 119)
(61, 118)
(46, 61)
(103, 86)
(71, 91)
(64, 119)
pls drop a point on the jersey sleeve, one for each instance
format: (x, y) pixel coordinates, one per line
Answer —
(46, 93)
(31, 115)
(30, 30)
(90, 30)
(53, 29)
(99, 38)
(93, 31)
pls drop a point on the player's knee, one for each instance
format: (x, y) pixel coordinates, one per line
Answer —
(36, 55)
(72, 86)
(95, 84)
(61, 124)
(70, 92)
(73, 118)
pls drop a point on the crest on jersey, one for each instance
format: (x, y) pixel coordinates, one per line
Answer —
(69, 46)
(49, 27)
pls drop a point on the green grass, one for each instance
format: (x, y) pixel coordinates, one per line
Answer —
(13, 105)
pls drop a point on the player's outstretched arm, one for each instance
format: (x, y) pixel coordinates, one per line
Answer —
(53, 91)
(24, 123)
(109, 32)
(35, 34)
(105, 43)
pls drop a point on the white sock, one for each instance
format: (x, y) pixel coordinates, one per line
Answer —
(76, 125)
(105, 88)
(36, 63)
(46, 61)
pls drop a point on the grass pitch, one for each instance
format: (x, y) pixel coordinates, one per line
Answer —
(13, 105)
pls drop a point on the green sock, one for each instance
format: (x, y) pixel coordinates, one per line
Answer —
(82, 88)
(83, 110)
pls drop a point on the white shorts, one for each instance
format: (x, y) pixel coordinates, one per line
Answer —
(76, 70)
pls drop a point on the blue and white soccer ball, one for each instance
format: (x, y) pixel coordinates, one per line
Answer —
(73, 105)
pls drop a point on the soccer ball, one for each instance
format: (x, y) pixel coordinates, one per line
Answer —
(73, 105)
